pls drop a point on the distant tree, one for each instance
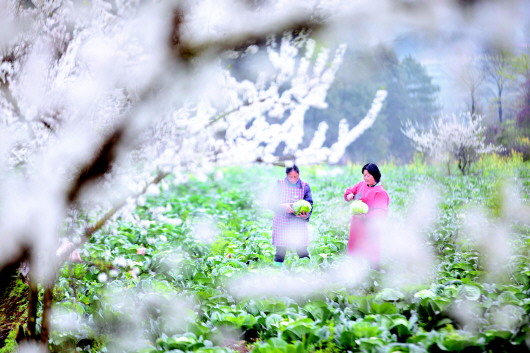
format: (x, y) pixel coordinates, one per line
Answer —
(498, 68)
(471, 77)
(523, 116)
(414, 98)
(411, 96)
(514, 131)
(348, 99)
(522, 67)
(455, 138)
(520, 139)
(421, 92)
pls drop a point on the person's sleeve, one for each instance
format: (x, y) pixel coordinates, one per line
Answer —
(308, 196)
(352, 190)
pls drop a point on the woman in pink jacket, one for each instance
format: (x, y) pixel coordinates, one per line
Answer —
(362, 242)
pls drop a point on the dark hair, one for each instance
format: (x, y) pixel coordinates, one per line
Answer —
(373, 170)
(290, 169)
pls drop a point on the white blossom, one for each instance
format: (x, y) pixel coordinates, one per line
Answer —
(102, 277)
(452, 137)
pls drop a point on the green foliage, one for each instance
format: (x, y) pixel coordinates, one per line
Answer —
(411, 96)
(13, 309)
(10, 345)
(180, 269)
(515, 139)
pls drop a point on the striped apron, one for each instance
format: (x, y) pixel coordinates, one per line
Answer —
(287, 229)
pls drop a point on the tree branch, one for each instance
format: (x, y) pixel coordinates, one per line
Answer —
(185, 51)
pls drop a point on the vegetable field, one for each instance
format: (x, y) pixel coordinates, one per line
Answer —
(192, 269)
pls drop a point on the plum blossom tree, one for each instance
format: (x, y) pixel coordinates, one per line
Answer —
(99, 102)
(453, 138)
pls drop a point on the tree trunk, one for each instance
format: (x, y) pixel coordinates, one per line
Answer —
(499, 106)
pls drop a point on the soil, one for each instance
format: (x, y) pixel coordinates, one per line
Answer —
(240, 346)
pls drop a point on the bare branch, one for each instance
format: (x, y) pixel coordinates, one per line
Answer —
(184, 50)
(101, 222)
(98, 166)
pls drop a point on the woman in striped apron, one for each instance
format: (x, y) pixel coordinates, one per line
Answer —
(290, 230)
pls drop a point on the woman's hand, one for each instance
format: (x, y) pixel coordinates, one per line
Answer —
(349, 197)
(287, 207)
(303, 215)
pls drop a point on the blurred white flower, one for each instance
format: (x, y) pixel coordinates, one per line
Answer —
(204, 231)
(102, 277)
(120, 261)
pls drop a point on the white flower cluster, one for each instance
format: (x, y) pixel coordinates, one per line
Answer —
(73, 74)
(266, 122)
(455, 137)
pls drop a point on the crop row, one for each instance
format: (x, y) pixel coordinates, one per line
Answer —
(194, 273)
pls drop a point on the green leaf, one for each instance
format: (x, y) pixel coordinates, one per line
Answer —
(469, 292)
(383, 308)
(390, 295)
(318, 310)
(296, 330)
(425, 293)
(273, 321)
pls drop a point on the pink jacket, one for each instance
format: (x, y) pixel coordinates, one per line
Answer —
(375, 197)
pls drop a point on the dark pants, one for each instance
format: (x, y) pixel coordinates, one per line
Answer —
(282, 250)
